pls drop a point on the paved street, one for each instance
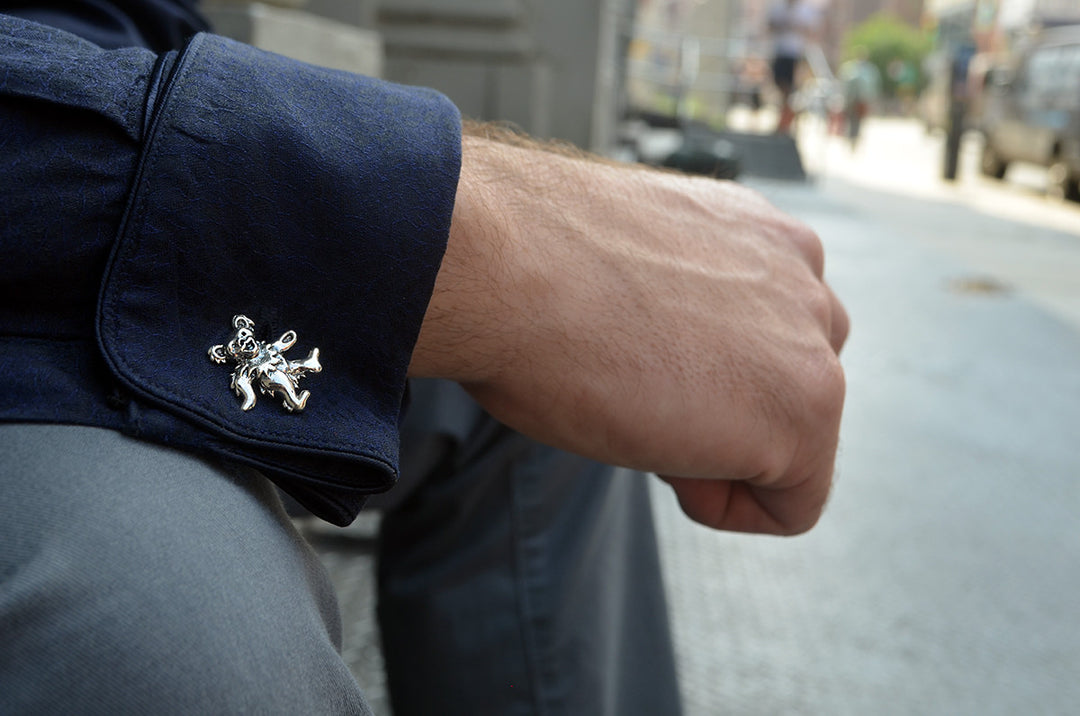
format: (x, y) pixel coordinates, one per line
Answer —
(1012, 230)
(944, 577)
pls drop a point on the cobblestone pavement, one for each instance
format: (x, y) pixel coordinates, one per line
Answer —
(943, 578)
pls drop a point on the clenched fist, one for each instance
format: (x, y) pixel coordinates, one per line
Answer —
(672, 324)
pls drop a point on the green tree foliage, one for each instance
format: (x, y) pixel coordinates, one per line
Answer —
(896, 48)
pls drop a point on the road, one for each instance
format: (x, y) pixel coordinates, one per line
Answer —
(944, 577)
(1013, 232)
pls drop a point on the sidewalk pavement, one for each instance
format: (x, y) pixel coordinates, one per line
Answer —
(943, 578)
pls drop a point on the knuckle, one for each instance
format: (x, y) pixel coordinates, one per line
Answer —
(839, 325)
(819, 303)
(820, 387)
(812, 249)
(834, 374)
(831, 386)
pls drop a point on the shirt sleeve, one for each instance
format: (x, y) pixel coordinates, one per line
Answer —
(307, 199)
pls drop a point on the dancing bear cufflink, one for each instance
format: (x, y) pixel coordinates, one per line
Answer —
(263, 365)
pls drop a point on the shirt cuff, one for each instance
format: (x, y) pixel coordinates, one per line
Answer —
(309, 200)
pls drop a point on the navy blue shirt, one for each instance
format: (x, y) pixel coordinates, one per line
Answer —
(147, 198)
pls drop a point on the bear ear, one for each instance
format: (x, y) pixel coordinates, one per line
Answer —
(288, 338)
(242, 321)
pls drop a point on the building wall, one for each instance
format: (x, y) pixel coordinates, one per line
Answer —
(553, 67)
(1018, 13)
(682, 57)
(999, 28)
(299, 33)
(550, 66)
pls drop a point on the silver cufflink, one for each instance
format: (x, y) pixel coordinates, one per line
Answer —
(263, 365)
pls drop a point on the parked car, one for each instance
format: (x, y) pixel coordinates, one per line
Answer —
(1031, 113)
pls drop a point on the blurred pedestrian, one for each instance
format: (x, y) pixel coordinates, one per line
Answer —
(862, 87)
(905, 79)
(792, 23)
(959, 99)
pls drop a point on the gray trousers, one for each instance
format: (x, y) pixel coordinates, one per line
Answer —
(136, 579)
(515, 578)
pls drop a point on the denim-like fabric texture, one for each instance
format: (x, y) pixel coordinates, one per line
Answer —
(176, 191)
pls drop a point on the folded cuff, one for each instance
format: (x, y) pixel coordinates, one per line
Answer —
(309, 200)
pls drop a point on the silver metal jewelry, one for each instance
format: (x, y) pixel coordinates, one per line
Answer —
(263, 365)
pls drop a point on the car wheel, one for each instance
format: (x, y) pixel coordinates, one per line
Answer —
(1060, 183)
(991, 164)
